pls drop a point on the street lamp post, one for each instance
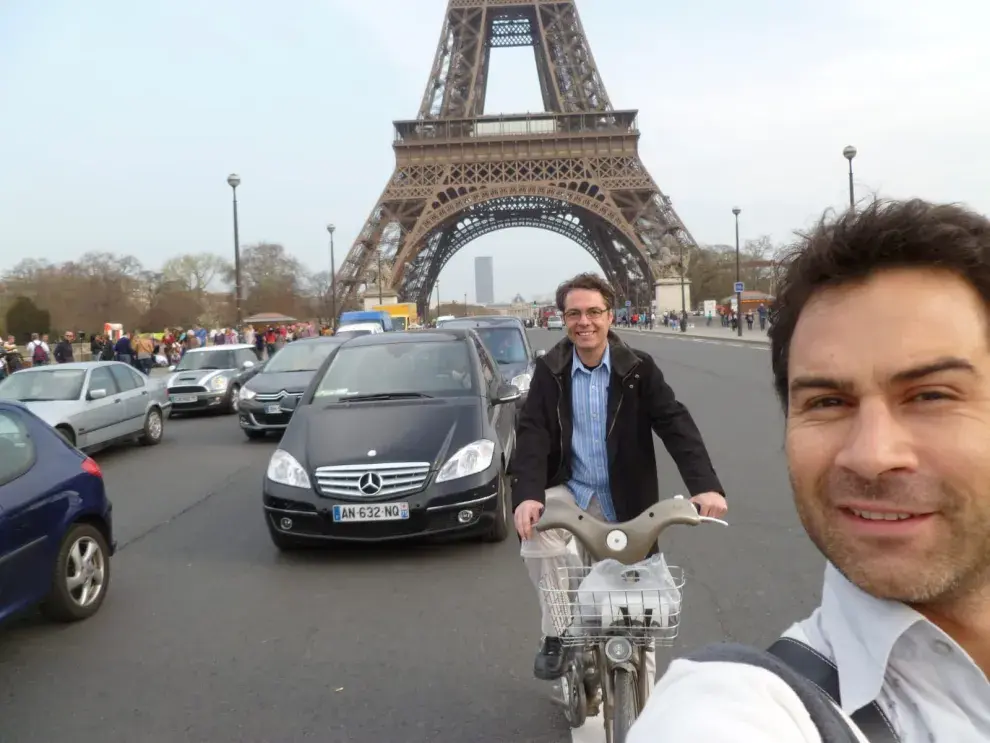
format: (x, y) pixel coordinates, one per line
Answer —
(333, 282)
(736, 210)
(849, 152)
(683, 301)
(438, 298)
(234, 180)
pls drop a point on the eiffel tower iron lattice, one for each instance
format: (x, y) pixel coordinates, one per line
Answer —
(574, 169)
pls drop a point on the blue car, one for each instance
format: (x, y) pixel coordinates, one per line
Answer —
(56, 526)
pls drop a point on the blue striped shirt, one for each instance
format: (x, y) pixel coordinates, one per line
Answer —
(589, 410)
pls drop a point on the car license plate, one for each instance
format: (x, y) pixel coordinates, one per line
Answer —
(377, 512)
(273, 409)
(183, 399)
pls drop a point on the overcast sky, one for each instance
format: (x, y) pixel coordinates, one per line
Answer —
(121, 120)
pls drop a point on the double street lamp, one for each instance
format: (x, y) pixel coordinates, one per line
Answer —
(234, 180)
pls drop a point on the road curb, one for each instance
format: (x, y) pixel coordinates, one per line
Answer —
(689, 334)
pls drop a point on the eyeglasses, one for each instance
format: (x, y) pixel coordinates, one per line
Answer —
(595, 313)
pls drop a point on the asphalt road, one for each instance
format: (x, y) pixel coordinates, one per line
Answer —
(210, 635)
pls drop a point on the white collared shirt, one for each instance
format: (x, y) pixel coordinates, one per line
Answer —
(926, 684)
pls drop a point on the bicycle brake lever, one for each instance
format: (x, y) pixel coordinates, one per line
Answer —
(712, 520)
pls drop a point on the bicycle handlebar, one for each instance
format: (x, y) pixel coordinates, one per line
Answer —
(628, 541)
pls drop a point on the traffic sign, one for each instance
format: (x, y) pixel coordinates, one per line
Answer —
(740, 287)
(628, 303)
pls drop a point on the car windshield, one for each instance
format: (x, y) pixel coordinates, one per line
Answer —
(430, 369)
(43, 386)
(300, 357)
(219, 359)
(504, 344)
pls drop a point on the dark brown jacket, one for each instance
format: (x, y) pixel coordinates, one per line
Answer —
(639, 403)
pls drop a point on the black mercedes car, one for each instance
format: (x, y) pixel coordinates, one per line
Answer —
(399, 435)
(506, 340)
(287, 374)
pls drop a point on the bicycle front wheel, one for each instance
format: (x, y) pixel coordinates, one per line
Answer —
(624, 708)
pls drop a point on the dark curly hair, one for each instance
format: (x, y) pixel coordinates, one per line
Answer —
(591, 282)
(856, 245)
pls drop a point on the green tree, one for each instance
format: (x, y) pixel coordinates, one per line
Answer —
(24, 317)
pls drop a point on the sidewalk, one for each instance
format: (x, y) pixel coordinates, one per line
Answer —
(715, 332)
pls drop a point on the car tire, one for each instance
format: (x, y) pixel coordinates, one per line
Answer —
(66, 433)
(254, 435)
(500, 529)
(61, 604)
(154, 428)
(232, 405)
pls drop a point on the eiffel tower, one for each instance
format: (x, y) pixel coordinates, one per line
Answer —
(460, 174)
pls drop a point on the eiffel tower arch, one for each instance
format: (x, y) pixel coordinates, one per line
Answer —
(574, 170)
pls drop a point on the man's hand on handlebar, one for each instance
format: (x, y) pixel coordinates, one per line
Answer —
(527, 514)
(711, 504)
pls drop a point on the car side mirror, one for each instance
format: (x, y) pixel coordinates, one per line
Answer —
(171, 367)
(507, 393)
(541, 353)
(247, 365)
(97, 394)
(288, 404)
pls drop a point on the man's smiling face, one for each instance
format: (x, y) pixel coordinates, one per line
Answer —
(888, 432)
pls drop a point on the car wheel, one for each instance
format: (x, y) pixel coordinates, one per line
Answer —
(500, 529)
(66, 433)
(154, 428)
(81, 576)
(233, 399)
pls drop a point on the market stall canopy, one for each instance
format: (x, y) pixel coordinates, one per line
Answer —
(268, 317)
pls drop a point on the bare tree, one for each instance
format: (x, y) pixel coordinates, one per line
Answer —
(196, 272)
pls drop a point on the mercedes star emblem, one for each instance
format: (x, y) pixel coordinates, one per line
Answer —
(370, 483)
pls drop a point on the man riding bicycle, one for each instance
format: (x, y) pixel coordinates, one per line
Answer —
(585, 434)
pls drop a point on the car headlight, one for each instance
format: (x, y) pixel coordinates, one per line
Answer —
(246, 394)
(284, 469)
(470, 460)
(218, 384)
(521, 382)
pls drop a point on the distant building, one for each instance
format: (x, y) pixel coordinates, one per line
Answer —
(484, 280)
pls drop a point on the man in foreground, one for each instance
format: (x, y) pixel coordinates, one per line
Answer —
(888, 447)
(586, 433)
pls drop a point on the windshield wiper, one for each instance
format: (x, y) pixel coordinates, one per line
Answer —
(386, 396)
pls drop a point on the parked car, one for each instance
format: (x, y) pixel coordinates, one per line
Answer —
(287, 374)
(555, 323)
(206, 378)
(399, 435)
(56, 525)
(92, 404)
(506, 340)
(357, 329)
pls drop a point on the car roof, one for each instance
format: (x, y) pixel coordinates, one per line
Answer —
(481, 321)
(80, 365)
(223, 347)
(439, 335)
(5, 403)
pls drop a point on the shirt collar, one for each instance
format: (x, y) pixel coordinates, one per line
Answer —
(863, 631)
(578, 365)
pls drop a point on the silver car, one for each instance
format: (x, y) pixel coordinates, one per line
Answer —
(208, 378)
(92, 403)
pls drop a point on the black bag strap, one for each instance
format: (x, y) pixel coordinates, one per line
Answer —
(801, 677)
(823, 673)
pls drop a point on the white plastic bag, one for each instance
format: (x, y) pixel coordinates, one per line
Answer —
(640, 595)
